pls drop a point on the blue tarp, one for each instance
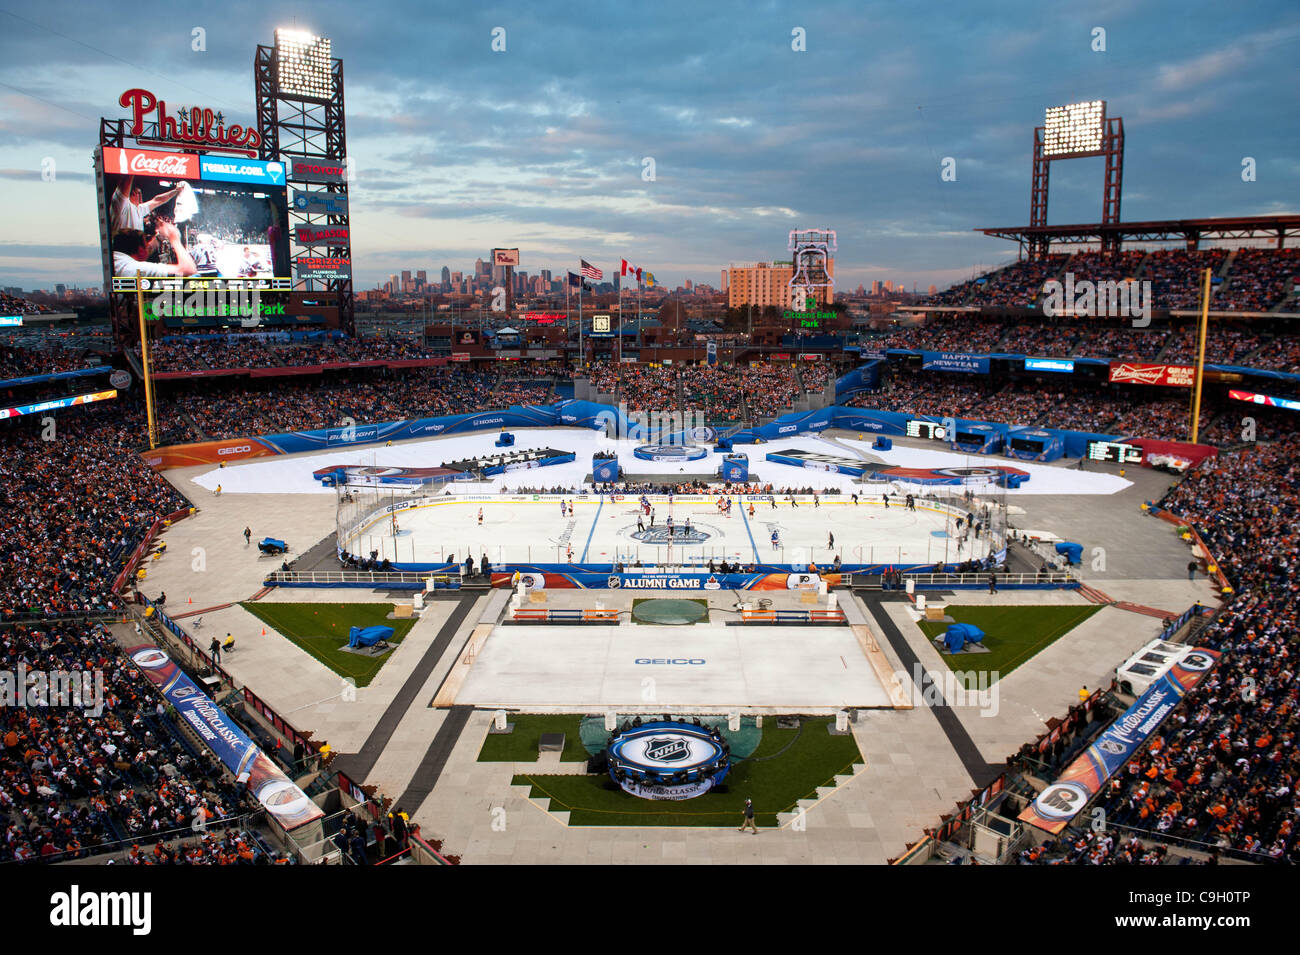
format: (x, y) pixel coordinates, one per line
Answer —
(960, 634)
(368, 636)
(1073, 552)
(272, 542)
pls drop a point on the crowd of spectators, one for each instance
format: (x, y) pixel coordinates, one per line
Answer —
(17, 305)
(73, 782)
(1223, 770)
(18, 362)
(273, 406)
(1028, 402)
(78, 504)
(761, 390)
(1259, 279)
(1176, 275)
(254, 350)
(1224, 345)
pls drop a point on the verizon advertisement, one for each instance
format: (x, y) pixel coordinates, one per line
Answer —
(1141, 373)
(315, 169)
(321, 235)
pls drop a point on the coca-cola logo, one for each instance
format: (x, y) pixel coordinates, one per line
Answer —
(174, 166)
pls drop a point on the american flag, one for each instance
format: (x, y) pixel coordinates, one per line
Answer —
(591, 272)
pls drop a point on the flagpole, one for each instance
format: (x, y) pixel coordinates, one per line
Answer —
(581, 281)
(568, 317)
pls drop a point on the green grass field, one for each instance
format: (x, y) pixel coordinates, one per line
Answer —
(808, 757)
(1013, 635)
(322, 628)
(521, 745)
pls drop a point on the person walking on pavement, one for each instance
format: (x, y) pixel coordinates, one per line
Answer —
(248, 536)
(215, 649)
(993, 582)
(749, 818)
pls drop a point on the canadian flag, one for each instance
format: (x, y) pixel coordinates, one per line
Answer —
(631, 270)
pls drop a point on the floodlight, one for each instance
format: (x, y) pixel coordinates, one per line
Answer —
(304, 65)
(1075, 129)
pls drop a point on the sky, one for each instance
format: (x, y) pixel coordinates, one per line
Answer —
(458, 148)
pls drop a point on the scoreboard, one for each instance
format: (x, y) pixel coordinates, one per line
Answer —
(1114, 451)
(927, 429)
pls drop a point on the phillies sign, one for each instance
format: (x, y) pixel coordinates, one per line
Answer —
(1142, 373)
(191, 126)
(321, 235)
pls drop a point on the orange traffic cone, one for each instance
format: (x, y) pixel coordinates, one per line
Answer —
(191, 601)
(264, 631)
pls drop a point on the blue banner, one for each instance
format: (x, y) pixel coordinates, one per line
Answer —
(954, 361)
(288, 804)
(57, 376)
(1049, 364)
(231, 169)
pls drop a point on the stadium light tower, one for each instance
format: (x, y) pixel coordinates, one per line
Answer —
(1074, 132)
(300, 113)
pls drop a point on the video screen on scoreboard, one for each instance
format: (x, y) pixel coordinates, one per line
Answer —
(164, 218)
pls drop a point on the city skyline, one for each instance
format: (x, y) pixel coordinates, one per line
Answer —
(535, 148)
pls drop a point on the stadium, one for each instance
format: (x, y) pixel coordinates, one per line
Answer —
(1003, 574)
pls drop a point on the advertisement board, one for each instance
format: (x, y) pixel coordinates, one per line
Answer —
(322, 268)
(1144, 373)
(336, 235)
(184, 215)
(955, 361)
(323, 203)
(505, 257)
(316, 169)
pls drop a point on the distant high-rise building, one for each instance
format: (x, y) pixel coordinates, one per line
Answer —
(875, 287)
(446, 275)
(724, 280)
(421, 280)
(933, 289)
(889, 285)
(767, 283)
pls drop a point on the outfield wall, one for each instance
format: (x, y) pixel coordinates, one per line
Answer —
(590, 414)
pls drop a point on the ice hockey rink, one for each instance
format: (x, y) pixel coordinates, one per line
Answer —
(698, 669)
(530, 529)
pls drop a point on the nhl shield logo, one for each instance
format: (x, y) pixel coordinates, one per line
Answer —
(614, 582)
(667, 749)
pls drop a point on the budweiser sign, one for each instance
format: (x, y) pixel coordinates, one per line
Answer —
(143, 162)
(191, 126)
(1140, 373)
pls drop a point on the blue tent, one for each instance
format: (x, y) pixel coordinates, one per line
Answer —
(1073, 552)
(960, 634)
(368, 636)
